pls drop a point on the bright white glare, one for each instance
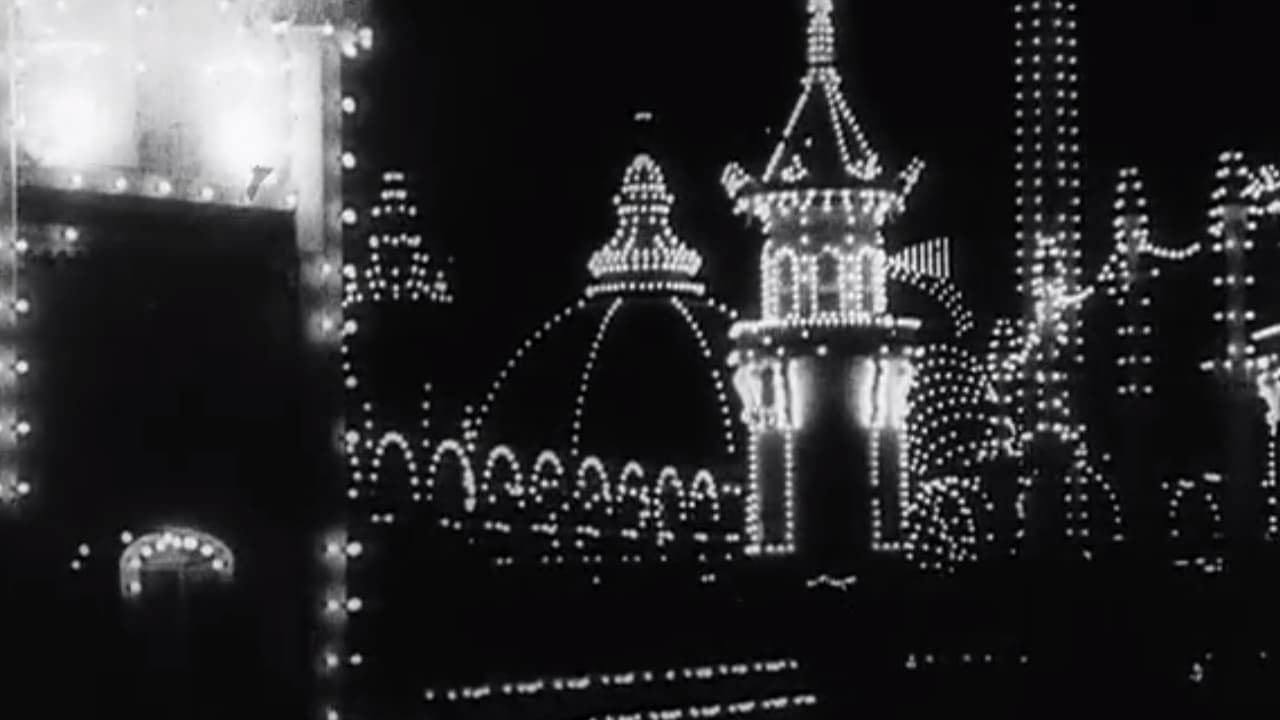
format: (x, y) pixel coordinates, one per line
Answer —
(64, 128)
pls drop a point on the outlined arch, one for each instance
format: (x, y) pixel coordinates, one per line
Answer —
(179, 550)
(1186, 499)
(629, 502)
(377, 476)
(511, 485)
(466, 480)
(829, 281)
(549, 485)
(785, 271)
(670, 509)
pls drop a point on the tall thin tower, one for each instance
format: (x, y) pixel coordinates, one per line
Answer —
(1049, 212)
(1063, 496)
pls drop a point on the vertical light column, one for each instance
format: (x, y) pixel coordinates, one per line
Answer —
(1131, 287)
(1048, 202)
(1231, 222)
(322, 215)
(12, 306)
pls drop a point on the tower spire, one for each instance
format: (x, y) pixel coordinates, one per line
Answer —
(821, 34)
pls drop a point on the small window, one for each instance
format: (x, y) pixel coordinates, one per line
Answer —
(828, 283)
(785, 275)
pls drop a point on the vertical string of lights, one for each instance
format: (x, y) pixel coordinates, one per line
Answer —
(12, 485)
(1048, 221)
(340, 547)
(1130, 286)
(1231, 220)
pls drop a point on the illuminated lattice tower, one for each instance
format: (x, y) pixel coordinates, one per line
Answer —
(1059, 480)
(1048, 189)
(824, 373)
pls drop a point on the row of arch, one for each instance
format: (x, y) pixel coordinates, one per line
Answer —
(557, 496)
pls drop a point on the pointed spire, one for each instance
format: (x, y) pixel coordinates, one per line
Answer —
(822, 33)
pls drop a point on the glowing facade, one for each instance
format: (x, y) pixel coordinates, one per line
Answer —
(824, 373)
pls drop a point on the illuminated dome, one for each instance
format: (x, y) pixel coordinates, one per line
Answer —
(630, 371)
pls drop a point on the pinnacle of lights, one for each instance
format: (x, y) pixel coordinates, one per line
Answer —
(822, 33)
(643, 244)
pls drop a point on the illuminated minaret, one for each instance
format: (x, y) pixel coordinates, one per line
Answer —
(825, 371)
(1048, 202)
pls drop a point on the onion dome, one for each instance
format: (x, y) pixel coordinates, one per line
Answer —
(631, 370)
(823, 146)
(644, 253)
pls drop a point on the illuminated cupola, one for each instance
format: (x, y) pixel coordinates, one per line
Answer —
(824, 373)
(644, 254)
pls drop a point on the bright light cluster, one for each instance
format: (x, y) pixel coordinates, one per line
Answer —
(644, 245)
(564, 685)
(399, 267)
(773, 403)
(193, 554)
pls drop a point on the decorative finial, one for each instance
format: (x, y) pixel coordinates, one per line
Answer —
(822, 33)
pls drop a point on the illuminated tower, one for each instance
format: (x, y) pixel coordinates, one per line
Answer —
(824, 372)
(1060, 486)
(1048, 189)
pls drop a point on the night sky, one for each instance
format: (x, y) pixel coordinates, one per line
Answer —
(516, 117)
